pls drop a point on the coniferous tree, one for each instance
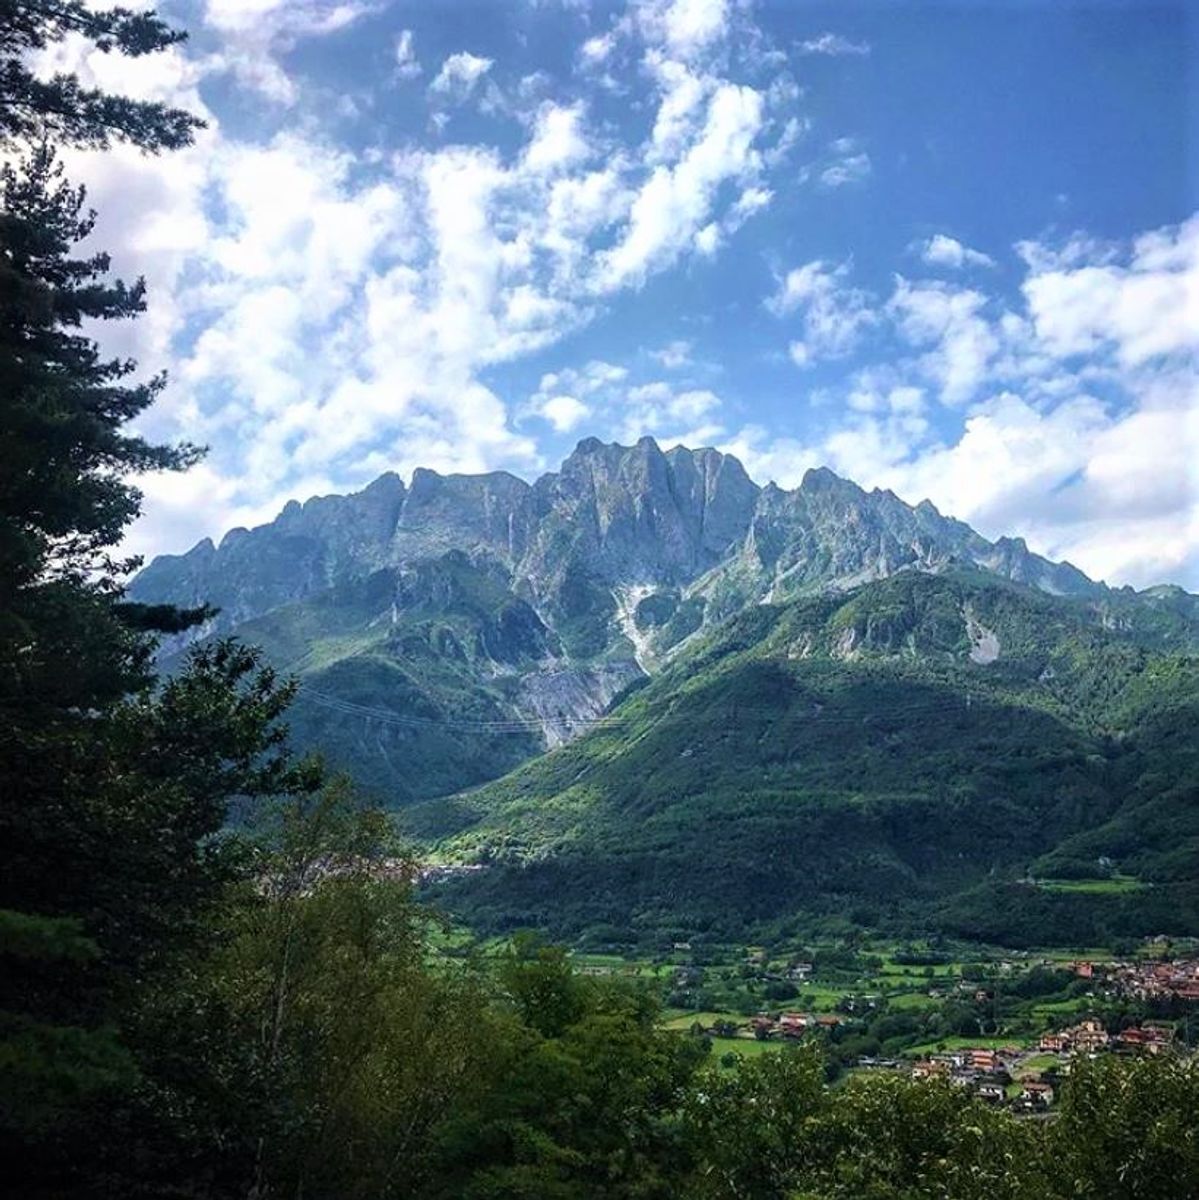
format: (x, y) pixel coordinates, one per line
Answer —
(61, 108)
(112, 794)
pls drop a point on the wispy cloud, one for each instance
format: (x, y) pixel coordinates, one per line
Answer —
(459, 74)
(845, 163)
(941, 250)
(407, 66)
(834, 315)
(833, 45)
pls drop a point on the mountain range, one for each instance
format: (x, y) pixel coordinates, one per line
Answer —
(448, 629)
(646, 690)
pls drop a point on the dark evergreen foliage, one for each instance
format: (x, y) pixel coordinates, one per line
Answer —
(61, 107)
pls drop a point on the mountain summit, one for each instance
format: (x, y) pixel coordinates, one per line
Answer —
(446, 629)
(622, 515)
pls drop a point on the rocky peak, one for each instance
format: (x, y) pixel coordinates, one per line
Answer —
(818, 480)
(487, 514)
(308, 547)
(637, 514)
(613, 517)
(715, 494)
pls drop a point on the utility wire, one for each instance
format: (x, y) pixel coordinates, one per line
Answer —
(503, 725)
(516, 725)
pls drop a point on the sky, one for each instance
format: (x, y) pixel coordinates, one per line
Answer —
(949, 249)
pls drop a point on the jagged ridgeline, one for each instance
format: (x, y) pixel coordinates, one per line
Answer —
(448, 630)
(756, 701)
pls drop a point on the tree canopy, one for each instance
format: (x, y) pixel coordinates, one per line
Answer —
(68, 111)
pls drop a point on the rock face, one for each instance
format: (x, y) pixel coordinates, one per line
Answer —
(306, 548)
(531, 606)
(613, 515)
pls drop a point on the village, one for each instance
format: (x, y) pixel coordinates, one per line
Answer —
(1019, 1075)
(1006, 1025)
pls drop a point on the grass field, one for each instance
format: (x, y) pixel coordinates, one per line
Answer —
(1087, 953)
(1057, 1008)
(1115, 885)
(746, 1047)
(821, 998)
(962, 1043)
(907, 971)
(911, 1000)
(684, 1020)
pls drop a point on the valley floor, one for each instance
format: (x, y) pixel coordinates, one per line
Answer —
(1006, 1024)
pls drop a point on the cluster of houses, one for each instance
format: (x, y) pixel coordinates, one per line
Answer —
(1146, 980)
(993, 1075)
(1089, 1037)
(1006, 1075)
(791, 1024)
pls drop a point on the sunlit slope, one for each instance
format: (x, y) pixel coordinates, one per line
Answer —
(903, 754)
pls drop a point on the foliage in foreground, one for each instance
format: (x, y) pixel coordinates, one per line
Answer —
(322, 1049)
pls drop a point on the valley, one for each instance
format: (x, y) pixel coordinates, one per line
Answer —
(989, 1019)
(646, 694)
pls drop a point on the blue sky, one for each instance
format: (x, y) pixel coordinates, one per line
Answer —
(951, 249)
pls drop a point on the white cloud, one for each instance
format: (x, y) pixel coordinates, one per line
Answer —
(673, 416)
(1141, 309)
(941, 250)
(558, 140)
(769, 457)
(833, 45)
(564, 412)
(675, 202)
(708, 240)
(407, 66)
(853, 168)
(793, 128)
(596, 50)
(620, 406)
(673, 356)
(687, 27)
(680, 113)
(459, 75)
(255, 32)
(834, 315)
(295, 16)
(950, 326)
(752, 200)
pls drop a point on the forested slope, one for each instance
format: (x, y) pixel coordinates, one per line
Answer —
(904, 755)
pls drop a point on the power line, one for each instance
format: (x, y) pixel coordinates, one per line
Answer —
(498, 725)
(516, 725)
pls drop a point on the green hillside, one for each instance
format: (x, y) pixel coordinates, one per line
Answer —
(407, 677)
(906, 755)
